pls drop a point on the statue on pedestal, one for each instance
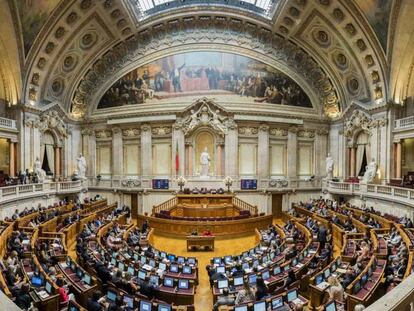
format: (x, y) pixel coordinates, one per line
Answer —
(81, 163)
(329, 167)
(205, 163)
(37, 169)
(370, 172)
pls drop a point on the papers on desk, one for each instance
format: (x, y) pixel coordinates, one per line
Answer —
(26, 242)
(323, 285)
(299, 265)
(64, 265)
(147, 267)
(43, 294)
(248, 270)
(341, 270)
(297, 301)
(311, 251)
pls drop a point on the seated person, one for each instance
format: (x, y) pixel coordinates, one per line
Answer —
(224, 300)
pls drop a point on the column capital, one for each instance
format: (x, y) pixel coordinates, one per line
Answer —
(146, 128)
(293, 129)
(264, 128)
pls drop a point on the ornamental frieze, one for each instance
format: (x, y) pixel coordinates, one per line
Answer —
(130, 132)
(306, 133)
(278, 132)
(245, 130)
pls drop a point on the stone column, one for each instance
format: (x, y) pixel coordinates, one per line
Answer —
(146, 150)
(353, 162)
(219, 164)
(177, 139)
(263, 152)
(12, 155)
(321, 151)
(292, 150)
(89, 151)
(231, 149)
(398, 159)
(117, 153)
(57, 161)
(190, 159)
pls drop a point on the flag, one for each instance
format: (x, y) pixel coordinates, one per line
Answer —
(177, 158)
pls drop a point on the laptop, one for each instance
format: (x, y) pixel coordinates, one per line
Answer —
(145, 305)
(331, 306)
(183, 284)
(259, 306)
(292, 297)
(163, 307)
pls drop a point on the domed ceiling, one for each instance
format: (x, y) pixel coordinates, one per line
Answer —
(333, 51)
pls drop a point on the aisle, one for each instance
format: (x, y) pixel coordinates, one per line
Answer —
(204, 298)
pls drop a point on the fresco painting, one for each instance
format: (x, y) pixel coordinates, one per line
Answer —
(33, 15)
(378, 14)
(205, 73)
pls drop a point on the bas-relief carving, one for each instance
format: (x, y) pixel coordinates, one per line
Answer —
(127, 52)
(161, 130)
(278, 132)
(246, 130)
(131, 132)
(278, 183)
(306, 133)
(52, 121)
(361, 121)
(103, 134)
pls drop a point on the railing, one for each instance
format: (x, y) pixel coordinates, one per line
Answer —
(242, 205)
(8, 124)
(22, 191)
(404, 123)
(402, 195)
(165, 206)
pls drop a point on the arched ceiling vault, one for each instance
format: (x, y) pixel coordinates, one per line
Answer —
(326, 45)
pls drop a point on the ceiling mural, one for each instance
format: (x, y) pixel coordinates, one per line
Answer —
(205, 73)
(378, 14)
(33, 15)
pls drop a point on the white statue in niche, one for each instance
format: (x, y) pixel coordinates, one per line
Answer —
(370, 172)
(329, 167)
(37, 168)
(81, 163)
(205, 163)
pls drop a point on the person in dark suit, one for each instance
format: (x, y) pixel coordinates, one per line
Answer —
(321, 236)
(144, 226)
(93, 303)
(103, 272)
(261, 289)
(23, 299)
(238, 272)
(147, 289)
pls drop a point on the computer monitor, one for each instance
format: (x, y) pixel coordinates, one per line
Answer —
(265, 275)
(86, 279)
(68, 261)
(217, 260)
(294, 262)
(276, 270)
(238, 281)
(142, 274)
(113, 262)
(223, 284)
(162, 266)
(180, 259)
(163, 307)
(305, 253)
(300, 257)
(151, 263)
(286, 268)
(370, 271)
(259, 306)
(171, 257)
(191, 260)
(129, 301)
(73, 266)
(330, 306)
(245, 265)
(251, 252)
(240, 308)
(143, 260)
(111, 295)
(186, 270)
(252, 279)
(339, 261)
(48, 287)
(292, 295)
(245, 254)
(256, 263)
(36, 281)
(136, 257)
(228, 259)
(318, 279)
(326, 273)
(221, 269)
(277, 303)
(145, 306)
(174, 268)
(272, 255)
(72, 307)
(155, 280)
(131, 270)
(183, 284)
(364, 279)
(163, 255)
(333, 267)
(169, 282)
(121, 266)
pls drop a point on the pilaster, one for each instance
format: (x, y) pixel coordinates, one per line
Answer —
(263, 152)
(146, 150)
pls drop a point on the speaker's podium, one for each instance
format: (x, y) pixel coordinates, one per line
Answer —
(200, 242)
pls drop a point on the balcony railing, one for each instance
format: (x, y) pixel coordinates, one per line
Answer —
(403, 195)
(26, 191)
(8, 124)
(404, 123)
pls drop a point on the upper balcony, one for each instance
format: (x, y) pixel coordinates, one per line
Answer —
(404, 124)
(8, 124)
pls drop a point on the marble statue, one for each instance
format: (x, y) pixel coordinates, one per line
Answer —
(37, 168)
(194, 121)
(81, 163)
(329, 167)
(370, 172)
(205, 163)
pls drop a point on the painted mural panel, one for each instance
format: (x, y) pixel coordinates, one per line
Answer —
(205, 73)
(378, 15)
(33, 15)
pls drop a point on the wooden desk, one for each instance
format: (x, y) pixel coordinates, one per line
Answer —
(200, 242)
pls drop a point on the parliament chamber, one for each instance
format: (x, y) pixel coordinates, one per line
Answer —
(224, 155)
